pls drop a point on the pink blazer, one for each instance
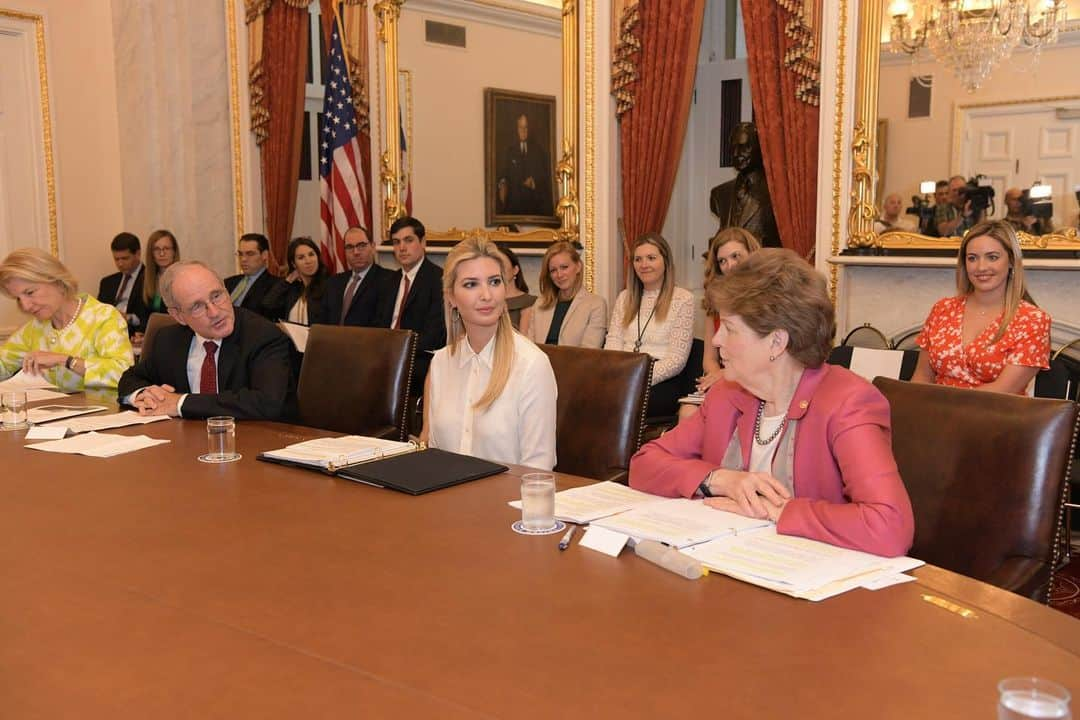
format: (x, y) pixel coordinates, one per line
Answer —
(848, 491)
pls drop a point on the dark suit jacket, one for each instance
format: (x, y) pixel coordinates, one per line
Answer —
(280, 298)
(518, 167)
(253, 300)
(422, 313)
(254, 382)
(363, 312)
(110, 286)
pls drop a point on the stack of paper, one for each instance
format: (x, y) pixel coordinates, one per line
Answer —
(678, 522)
(694, 398)
(97, 445)
(338, 452)
(591, 502)
(47, 413)
(36, 387)
(110, 421)
(797, 566)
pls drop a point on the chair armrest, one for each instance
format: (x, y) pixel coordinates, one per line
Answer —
(1024, 576)
(619, 475)
(389, 432)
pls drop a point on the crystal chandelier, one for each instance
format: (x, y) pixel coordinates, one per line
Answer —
(972, 36)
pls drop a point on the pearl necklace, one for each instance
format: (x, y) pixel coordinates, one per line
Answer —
(57, 332)
(757, 426)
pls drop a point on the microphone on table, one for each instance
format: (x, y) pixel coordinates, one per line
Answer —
(670, 559)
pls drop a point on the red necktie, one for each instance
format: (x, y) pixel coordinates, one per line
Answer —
(123, 287)
(404, 297)
(208, 375)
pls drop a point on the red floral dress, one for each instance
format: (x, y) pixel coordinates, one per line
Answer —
(1026, 342)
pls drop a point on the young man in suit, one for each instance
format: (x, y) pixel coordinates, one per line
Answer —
(352, 297)
(124, 288)
(413, 299)
(248, 289)
(219, 360)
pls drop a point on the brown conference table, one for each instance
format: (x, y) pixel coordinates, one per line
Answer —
(153, 585)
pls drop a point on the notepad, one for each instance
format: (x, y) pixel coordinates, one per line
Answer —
(333, 453)
(97, 444)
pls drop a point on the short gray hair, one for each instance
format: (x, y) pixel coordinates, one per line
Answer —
(169, 277)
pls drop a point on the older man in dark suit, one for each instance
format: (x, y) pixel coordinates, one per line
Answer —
(413, 296)
(124, 288)
(219, 360)
(352, 297)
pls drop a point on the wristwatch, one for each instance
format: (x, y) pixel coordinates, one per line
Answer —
(703, 488)
(70, 362)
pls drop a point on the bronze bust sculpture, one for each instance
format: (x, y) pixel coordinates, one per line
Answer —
(744, 202)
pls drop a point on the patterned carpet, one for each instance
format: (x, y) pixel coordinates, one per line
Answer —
(1065, 594)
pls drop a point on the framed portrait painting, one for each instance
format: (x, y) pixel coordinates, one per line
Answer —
(519, 144)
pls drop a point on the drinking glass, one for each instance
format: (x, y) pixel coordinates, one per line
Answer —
(1024, 698)
(13, 410)
(538, 501)
(221, 440)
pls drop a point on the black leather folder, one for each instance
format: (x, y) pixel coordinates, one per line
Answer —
(420, 472)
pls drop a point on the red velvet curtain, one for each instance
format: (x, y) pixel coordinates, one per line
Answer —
(787, 126)
(651, 132)
(285, 47)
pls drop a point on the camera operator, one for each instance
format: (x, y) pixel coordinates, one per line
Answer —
(1019, 214)
(890, 217)
(943, 209)
(961, 195)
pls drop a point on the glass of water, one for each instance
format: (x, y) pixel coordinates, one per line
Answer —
(221, 440)
(538, 501)
(1024, 698)
(13, 410)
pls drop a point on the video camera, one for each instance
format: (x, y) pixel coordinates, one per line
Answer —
(980, 194)
(1036, 201)
(922, 209)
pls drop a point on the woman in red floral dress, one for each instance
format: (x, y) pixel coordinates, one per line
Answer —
(991, 336)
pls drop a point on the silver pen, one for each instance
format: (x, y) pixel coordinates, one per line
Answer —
(565, 542)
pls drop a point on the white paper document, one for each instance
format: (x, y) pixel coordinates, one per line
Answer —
(297, 333)
(603, 540)
(590, 502)
(679, 522)
(97, 445)
(339, 452)
(35, 386)
(872, 362)
(110, 421)
(48, 413)
(794, 565)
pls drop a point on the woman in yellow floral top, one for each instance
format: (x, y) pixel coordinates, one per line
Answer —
(74, 341)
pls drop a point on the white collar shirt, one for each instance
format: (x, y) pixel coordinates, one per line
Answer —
(411, 274)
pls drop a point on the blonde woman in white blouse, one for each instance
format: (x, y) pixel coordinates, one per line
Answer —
(653, 316)
(490, 392)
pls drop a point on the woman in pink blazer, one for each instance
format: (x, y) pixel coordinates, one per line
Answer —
(785, 437)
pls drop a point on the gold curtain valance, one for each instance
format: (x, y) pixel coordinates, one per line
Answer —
(624, 72)
(802, 57)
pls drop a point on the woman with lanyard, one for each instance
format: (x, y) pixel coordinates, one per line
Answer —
(653, 316)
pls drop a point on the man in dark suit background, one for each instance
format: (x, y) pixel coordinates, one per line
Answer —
(124, 288)
(248, 289)
(524, 186)
(219, 360)
(413, 296)
(352, 297)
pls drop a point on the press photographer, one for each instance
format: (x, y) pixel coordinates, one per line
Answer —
(972, 199)
(1030, 210)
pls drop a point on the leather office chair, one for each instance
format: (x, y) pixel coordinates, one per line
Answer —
(603, 397)
(866, 335)
(986, 476)
(355, 380)
(657, 425)
(155, 322)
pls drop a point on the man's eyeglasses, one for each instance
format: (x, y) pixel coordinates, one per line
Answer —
(220, 298)
(357, 246)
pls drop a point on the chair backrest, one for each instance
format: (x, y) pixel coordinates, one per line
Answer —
(866, 335)
(155, 322)
(906, 341)
(1062, 379)
(872, 362)
(603, 398)
(355, 380)
(986, 476)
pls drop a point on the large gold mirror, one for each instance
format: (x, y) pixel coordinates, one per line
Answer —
(523, 54)
(900, 148)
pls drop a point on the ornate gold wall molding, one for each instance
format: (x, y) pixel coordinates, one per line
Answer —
(838, 144)
(46, 119)
(589, 235)
(864, 137)
(234, 118)
(387, 13)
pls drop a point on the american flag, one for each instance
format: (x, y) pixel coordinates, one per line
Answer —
(406, 170)
(344, 187)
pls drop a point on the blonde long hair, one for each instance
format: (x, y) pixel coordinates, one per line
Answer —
(503, 356)
(549, 293)
(151, 273)
(636, 288)
(34, 265)
(1015, 287)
